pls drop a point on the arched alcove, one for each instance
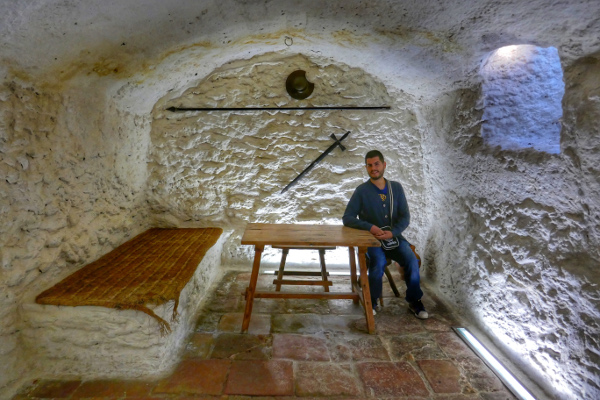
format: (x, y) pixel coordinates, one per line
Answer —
(229, 167)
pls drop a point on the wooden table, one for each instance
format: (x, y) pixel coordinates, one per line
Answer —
(303, 235)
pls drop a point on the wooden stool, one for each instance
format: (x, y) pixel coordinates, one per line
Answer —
(323, 274)
(388, 274)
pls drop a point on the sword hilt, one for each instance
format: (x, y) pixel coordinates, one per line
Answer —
(329, 149)
(337, 142)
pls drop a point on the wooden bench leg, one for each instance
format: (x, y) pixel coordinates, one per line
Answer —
(323, 269)
(284, 254)
(353, 277)
(390, 279)
(366, 292)
(388, 274)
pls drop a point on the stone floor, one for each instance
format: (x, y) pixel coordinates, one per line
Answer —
(308, 349)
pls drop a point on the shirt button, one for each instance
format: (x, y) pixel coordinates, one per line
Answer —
(384, 205)
(386, 217)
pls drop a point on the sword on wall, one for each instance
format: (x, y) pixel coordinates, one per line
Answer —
(322, 156)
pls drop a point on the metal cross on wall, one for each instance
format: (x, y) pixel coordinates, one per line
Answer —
(322, 156)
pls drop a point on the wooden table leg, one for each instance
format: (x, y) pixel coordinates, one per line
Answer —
(323, 269)
(353, 278)
(284, 253)
(252, 287)
(364, 283)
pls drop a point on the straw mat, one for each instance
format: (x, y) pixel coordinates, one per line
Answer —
(151, 268)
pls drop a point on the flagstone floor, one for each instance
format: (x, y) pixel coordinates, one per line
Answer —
(307, 349)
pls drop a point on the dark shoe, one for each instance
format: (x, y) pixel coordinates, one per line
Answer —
(419, 310)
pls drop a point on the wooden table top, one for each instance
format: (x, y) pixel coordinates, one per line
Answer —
(307, 235)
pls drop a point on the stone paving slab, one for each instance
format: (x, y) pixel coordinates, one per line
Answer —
(443, 376)
(300, 347)
(391, 379)
(327, 380)
(113, 388)
(261, 378)
(199, 345)
(260, 324)
(196, 376)
(354, 347)
(55, 389)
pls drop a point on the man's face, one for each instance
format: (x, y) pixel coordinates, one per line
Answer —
(375, 168)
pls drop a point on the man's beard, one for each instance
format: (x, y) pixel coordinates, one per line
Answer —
(378, 176)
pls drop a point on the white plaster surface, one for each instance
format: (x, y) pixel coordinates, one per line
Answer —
(510, 236)
(436, 44)
(71, 192)
(522, 93)
(95, 342)
(514, 237)
(228, 168)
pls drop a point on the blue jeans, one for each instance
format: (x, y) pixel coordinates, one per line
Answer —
(404, 256)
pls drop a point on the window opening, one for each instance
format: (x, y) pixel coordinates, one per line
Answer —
(522, 91)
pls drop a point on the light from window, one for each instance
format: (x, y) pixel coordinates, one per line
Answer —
(522, 90)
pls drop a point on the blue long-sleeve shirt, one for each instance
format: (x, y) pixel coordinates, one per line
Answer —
(366, 209)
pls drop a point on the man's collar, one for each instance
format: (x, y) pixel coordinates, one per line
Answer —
(373, 183)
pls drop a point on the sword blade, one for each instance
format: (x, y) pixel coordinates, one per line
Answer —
(322, 156)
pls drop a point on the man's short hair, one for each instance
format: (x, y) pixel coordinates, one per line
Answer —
(374, 153)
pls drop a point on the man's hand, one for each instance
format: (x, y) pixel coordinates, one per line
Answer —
(380, 233)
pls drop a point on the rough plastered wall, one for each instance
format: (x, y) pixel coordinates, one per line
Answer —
(515, 239)
(228, 168)
(73, 169)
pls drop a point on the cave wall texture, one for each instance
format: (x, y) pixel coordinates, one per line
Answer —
(90, 157)
(514, 236)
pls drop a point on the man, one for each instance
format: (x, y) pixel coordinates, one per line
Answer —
(380, 207)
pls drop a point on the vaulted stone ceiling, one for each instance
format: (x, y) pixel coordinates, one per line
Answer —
(435, 44)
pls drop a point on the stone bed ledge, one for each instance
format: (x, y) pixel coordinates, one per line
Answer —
(97, 342)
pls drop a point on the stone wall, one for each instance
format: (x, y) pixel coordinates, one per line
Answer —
(77, 166)
(74, 171)
(228, 168)
(509, 236)
(514, 239)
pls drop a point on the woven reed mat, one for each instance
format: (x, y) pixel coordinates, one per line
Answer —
(151, 268)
